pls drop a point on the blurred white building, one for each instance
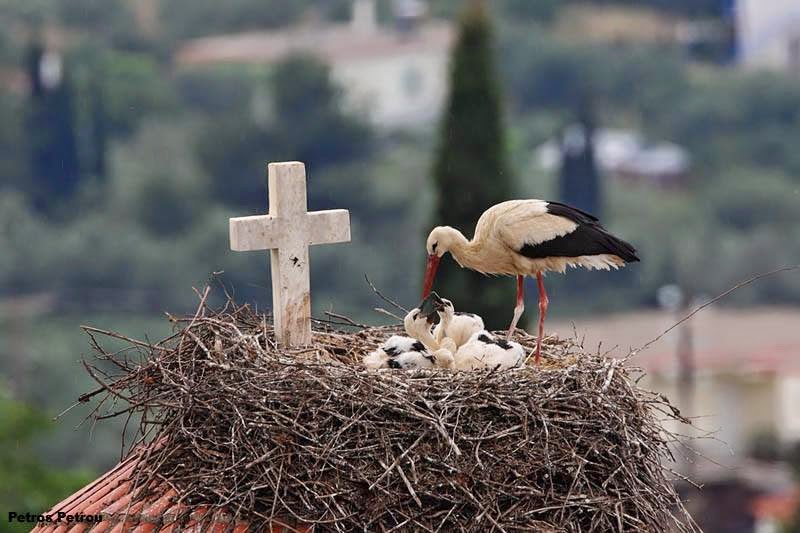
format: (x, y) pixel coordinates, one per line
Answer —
(396, 75)
(626, 156)
(768, 34)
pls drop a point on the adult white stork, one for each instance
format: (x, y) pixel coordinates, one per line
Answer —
(526, 238)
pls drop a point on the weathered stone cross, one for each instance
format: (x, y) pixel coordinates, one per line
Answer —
(287, 232)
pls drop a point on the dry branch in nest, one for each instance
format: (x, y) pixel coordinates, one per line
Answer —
(308, 436)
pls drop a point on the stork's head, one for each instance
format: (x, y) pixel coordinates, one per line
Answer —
(441, 240)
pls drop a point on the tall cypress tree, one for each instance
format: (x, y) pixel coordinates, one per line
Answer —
(579, 180)
(98, 129)
(580, 185)
(51, 130)
(471, 171)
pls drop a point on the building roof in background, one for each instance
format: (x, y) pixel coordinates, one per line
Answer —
(333, 43)
(762, 476)
(725, 340)
(123, 508)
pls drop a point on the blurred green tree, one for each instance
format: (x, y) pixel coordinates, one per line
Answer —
(516, 10)
(132, 86)
(193, 18)
(471, 171)
(525, 10)
(28, 485)
(681, 7)
(111, 21)
(746, 119)
(98, 129)
(156, 182)
(303, 120)
(310, 124)
(13, 158)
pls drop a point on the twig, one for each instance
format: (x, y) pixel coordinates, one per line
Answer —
(712, 301)
(383, 311)
(347, 320)
(397, 461)
(384, 298)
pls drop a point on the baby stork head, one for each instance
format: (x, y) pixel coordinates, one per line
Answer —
(425, 315)
(443, 306)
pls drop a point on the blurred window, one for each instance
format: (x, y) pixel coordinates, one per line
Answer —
(412, 82)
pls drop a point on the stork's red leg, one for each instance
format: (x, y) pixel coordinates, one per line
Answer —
(519, 308)
(544, 301)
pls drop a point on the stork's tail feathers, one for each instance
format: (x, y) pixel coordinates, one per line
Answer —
(616, 246)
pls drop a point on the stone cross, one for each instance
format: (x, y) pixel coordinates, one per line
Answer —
(287, 232)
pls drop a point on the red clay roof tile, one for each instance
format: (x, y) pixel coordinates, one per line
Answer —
(113, 497)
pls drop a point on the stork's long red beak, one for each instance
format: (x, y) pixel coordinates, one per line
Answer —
(430, 274)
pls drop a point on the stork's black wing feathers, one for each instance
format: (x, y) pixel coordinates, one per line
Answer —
(588, 238)
(573, 213)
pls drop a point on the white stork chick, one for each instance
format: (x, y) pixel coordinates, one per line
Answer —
(484, 350)
(419, 326)
(407, 360)
(413, 360)
(392, 347)
(528, 238)
(418, 350)
(458, 326)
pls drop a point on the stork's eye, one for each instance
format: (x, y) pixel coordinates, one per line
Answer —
(434, 246)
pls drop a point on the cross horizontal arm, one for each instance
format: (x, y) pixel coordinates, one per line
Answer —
(259, 232)
(327, 227)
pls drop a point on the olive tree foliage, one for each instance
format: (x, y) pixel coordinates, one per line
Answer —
(194, 18)
(305, 121)
(29, 484)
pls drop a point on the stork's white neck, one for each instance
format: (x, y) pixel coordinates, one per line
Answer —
(459, 247)
(480, 254)
(467, 253)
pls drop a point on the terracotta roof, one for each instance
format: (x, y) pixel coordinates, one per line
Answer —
(159, 510)
(332, 43)
(781, 507)
(742, 341)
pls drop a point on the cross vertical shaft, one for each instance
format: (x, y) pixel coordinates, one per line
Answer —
(291, 280)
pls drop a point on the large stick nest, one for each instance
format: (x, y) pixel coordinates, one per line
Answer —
(309, 436)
